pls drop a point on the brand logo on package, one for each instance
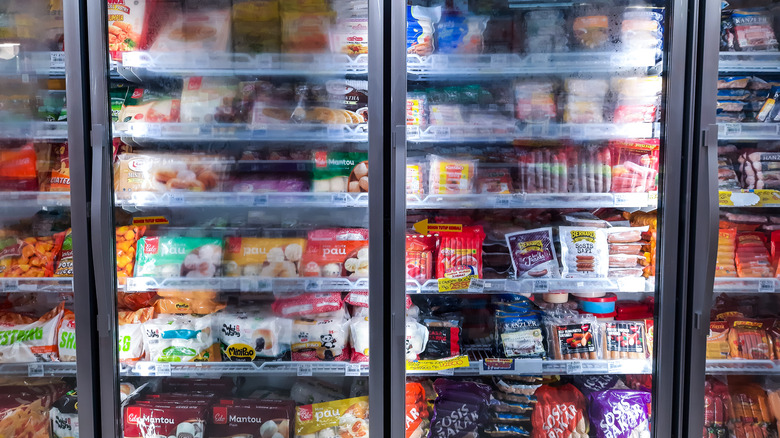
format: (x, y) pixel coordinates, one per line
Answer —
(220, 415)
(305, 413)
(151, 245)
(321, 159)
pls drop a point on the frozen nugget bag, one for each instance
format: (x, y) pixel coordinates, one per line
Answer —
(533, 254)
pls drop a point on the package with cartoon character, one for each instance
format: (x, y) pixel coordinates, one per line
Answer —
(251, 334)
(263, 257)
(346, 418)
(322, 338)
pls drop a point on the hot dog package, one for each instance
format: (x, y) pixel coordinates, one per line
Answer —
(338, 418)
(460, 254)
(749, 338)
(584, 252)
(533, 253)
(248, 335)
(263, 257)
(573, 336)
(624, 340)
(25, 339)
(560, 411)
(460, 409)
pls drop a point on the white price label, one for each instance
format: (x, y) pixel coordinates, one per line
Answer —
(162, 369)
(441, 132)
(731, 129)
(57, 61)
(11, 285)
(153, 130)
(476, 286)
(766, 286)
(176, 199)
(312, 286)
(447, 372)
(501, 201)
(613, 367)
(35, 370)
(352, 370)
(264, 62)
(624, 199)
(574, 367)
(264, 285)
(247, 285)
(339, 198)
(412, 131)
(335, 131)
(260, 201)
(304, 370)
(540, 286)
(499, 60)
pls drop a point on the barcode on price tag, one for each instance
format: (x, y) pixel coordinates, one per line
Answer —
(312, 286)
(35, 370)
(499, 60)
(352, 369)
(730, 129)
(624, 199)
(476, 286)
(501, 201)
(339, 198)
(162, 369)
(247, 285)
(260, 201)
(304, 370)
(11, 285)
(766, 286)
(447, 372)
(574, 367)
(613, 367)
(541, 286)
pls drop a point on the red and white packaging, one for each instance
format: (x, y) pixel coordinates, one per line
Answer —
(325, 338)
(127, 26)
(177, 418)
(336, 252)
(307, 304)
(634, 165)
(261, 418)
(460, 254)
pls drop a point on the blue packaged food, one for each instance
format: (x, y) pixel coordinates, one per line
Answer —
(420, 26)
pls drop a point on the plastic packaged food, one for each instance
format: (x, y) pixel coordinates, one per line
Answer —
(448, 176)
(208, 99)
(307, 304)
(18, 171)
(519, 333)
(158, 418)
(417, 423)
(420, 27)
(585, 100)
(26, 339)
(130, 335)
(65, 258)
(64, 416)
(337, 418)
(416, 105)
(126, 240)
(416, 339)
(533, 254)
(466, 401)
(177, 338)
(194, 31)
(359, 336)
(584, 252)
(252, 418)
(165, 256)
(337, 252)
(749, 339)
(603, 304)
(545, 31)
(573, 336)
(30, 256)
(624, 340)
(66, 337)
(127, 27)
(560, 410)
(460, 33)
(753, 30)
(495, 180)
(718, 340)
(419, 257)
(460, 254)
(642, 28)
(166, 173)
(635, 165)
(306, 31)
(444, 336)
(617, 413)
(535, 102)
(340, 172)
(591, 31)
(248, 335)
(263, 257)
(322, 338)
(149, 106)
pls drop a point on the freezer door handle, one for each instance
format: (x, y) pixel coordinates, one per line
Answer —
(709, 150)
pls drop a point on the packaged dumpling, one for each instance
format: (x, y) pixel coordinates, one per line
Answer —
(198, 257)
(179, 338)
(249, 335)
(263, 257)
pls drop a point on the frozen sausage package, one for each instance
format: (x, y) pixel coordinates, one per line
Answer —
(584, 252)
(573, 336)
(617, 413)
(533, 253)
(450, 176)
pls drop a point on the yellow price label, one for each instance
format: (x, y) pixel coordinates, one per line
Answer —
(150, 220)
(767, 197)
(724, 198)
(438, 364)
(423, 227)
(451, 284)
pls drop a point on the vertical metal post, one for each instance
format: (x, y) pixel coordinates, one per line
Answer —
(102, 225)
(378, 147)
(77, 82)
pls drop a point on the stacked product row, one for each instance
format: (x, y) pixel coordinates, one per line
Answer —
(538, 101)
(748, 245)
(748, 99)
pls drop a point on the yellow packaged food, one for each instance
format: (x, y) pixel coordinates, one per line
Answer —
(263, 257)
(345, 418)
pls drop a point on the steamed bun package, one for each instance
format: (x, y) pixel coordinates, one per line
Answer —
(169, 256)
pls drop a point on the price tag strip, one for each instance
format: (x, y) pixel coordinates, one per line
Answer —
(438, 365)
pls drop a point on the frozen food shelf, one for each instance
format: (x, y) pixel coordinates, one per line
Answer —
(749, 198)
(529, 285)
(36, 130)
(498, 366)
(749, 62)
(247, 284)
(210, 369)
(510, 64)
(141, 200)
(39, 369)
(505, 130)
(37, 284)
(227, 132)
(531, 200)
(12, 200)
(747, 285)
(748, 131)
(24, 65)
(140, 66)
(737, 366)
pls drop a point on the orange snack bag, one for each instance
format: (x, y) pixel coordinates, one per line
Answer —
(200, 302)
(30, 257)
(18, 170)
(126, 240)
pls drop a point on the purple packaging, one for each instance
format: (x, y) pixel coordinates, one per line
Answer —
(271, 183)
(594, 383)
(460, 410)
(533, 253)
(620, 413)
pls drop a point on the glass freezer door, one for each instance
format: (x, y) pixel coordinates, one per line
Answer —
(240, 175)
(535, 211)
(741, 387)
(37, 302)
